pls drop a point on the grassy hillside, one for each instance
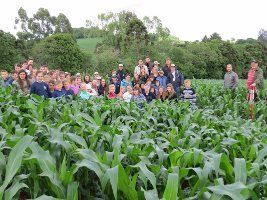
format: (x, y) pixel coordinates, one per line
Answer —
(88, 44)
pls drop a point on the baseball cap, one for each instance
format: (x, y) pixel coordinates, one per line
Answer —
(114, 76)
(254, 61)
(172, 65)
(120, 65)
(96, 73)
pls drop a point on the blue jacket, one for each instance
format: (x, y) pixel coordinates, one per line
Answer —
(58, 93)
(40, 89)
(179, 79)
(69, 92)
(6, 83)
(124, 83)
(162, 81)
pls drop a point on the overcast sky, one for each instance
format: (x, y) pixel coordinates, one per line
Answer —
(186, 19)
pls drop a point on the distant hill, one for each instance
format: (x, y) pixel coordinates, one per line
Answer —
(88, 44)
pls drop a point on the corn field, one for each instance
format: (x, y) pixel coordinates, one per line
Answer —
(102, 149)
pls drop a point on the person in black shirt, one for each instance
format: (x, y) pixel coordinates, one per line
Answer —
(121, 73)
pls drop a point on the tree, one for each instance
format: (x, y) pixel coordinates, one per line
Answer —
(62, 24)
(59, 51)
(9, 54)
(41, 25)
(215, 36)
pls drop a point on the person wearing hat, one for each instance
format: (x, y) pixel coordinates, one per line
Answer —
(115, 82)
(167, 67)
(255, 80)
(162, 79)
(121, 73)
(175, 78)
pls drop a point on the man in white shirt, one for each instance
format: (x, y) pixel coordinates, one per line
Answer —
(140, 65)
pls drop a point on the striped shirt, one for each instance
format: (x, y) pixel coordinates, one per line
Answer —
(250, 79)
(188, 94)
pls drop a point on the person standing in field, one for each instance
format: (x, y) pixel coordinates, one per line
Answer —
(230, 78)
(167, 67)
(176, 79)
(255, 80)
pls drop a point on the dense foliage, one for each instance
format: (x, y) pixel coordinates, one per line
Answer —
(114, 150)
(60, 51)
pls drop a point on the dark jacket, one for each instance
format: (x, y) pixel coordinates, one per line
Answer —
(149, 66)
(103, 90)
(179, 79)
(149, 97)
(40, 89)
(69, 92)
(121, 75)
(57, 93)
(166, 70)
(117, 86)
(258, 78)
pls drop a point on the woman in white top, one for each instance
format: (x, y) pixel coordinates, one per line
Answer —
(128, 95)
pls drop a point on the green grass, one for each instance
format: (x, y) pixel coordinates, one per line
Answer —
(88, 44)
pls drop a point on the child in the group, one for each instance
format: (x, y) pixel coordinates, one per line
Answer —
(47, 79)
(188, 94)
(74, 86)
(170, 93)
(66, 85)
(153, 92)
(39, 87)
(83, 94)
(51, 87)
(138, 97)
(120, 95)
(128, 95)
(147, 93)
(59, 92)
(111, 92)
(14, 77)
(5, 79)
(161, 93)
(127, 81)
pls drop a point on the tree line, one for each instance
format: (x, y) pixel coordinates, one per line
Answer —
(125, 38)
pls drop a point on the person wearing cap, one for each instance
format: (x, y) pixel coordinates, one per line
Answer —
(162, 79)
(140, 66)
(115, 82)
(175, 78)
(167, 67)
(255, 78)
(121, 73)
(230, 78)
(148, 64)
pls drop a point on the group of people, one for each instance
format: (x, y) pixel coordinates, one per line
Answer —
(149, 81)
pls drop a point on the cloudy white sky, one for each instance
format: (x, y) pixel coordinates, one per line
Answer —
(186, 19)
